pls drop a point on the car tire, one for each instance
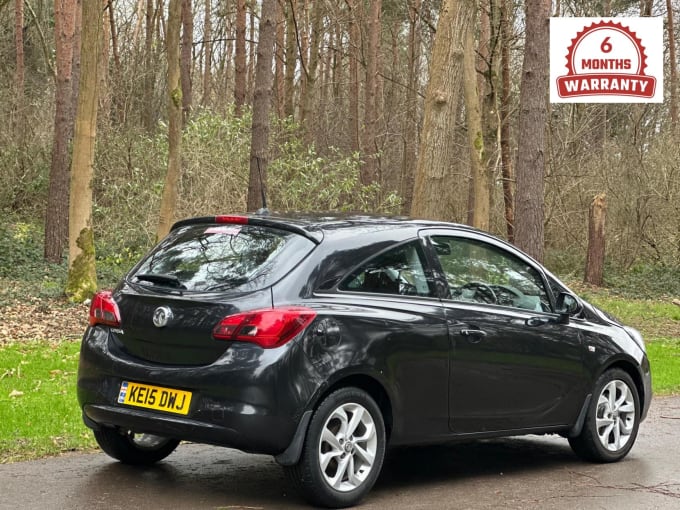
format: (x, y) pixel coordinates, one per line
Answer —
(131, 448)
(613, 418)
(343, 450)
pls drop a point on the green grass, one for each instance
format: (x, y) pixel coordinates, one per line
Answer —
(664, 358)
(39, 412)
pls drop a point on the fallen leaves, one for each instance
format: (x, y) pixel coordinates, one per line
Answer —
(49, 319)
(15, 394)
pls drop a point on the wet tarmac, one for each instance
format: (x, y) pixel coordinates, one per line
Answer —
(518, 473)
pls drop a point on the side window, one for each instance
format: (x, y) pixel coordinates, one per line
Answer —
(397, 271)
(481, 273)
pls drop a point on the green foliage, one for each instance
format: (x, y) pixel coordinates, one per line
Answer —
(300, 179)
(40, 414)
(21, 259)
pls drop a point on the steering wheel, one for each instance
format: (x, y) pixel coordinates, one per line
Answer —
(505, 295)
(483, 292)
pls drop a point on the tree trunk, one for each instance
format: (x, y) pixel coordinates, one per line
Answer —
(370, 170)
(437, 152)
(596, 241)
(279, 56)
(673, 67)
(169, 198)
(240, 58)
(118, 99)
(264, 77)
(149, 117)
(410, 125)
(291, 61)
(82, 277)
(56, 214)
(478, 160)
(504, 111)
(533, 115)
(309, 98)
(208, 53)
(19, 70)
(186, 58)
(354, 52)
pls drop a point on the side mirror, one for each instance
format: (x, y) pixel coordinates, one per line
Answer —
(568, 305)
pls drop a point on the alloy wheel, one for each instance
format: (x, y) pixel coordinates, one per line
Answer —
(348, 446)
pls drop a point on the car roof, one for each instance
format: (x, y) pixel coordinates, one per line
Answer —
(316, 226)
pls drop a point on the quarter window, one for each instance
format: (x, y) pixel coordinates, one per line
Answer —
(396, 271)
(481, 273)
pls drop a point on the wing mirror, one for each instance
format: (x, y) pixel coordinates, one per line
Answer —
(568, 305)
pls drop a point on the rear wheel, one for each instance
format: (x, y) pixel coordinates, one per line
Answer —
(132, 448)
(611, 425)
(343, 451)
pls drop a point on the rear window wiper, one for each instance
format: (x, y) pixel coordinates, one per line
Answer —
(161, 279)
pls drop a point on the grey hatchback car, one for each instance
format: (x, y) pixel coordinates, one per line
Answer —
(322, 341)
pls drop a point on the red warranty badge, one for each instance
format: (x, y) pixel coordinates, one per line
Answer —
(606, 58)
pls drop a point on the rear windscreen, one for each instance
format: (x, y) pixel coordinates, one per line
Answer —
(220, 258)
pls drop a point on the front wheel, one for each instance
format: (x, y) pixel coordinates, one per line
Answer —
(131, 448)
(613, 418)
(343, 450)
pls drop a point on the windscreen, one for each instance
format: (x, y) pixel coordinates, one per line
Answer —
(221, 258)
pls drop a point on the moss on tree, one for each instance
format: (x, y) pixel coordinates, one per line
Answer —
(82, 275)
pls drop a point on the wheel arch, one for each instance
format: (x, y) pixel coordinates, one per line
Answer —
(630, 368)
(371, 386)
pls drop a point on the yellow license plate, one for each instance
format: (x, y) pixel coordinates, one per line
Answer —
(154, 397)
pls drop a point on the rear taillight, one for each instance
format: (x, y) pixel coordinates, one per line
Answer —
(238, 220)
(268, 328)
(104, 310)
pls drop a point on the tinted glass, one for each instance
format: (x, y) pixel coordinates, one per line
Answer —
(481, 273)
(217, 258)
(397, 271)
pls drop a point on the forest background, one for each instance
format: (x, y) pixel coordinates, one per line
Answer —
(394, 107)
(433, 108)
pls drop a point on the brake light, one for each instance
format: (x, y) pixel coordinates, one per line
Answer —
(238, 220)
(268, 328)
(104, 310)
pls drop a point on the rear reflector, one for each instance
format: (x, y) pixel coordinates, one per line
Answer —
(104, 309)
(238, 220)
(268, 328)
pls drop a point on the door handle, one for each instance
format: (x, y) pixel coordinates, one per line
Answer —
(537, 321)
(473, 333)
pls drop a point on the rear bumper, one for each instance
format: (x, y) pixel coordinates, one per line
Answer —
(248, 399)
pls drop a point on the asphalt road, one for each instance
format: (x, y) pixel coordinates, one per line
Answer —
(517, 473)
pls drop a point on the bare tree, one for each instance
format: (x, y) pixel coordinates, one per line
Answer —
(208, 52)
(372, 108)
(533, 115)
(186, 58)
(82, 277)
(478, 159)
(410, 126)
(264, 77)
(56, 214)
(504, 112)
(437, 153)
(240, 58)
(169, 198)
(19, 69)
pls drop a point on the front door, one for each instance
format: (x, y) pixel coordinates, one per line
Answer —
(513, 366)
